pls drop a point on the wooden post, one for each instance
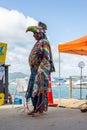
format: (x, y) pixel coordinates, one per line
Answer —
(5, 84)
(70, 87)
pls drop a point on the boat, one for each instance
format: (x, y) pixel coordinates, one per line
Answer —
(79, 84)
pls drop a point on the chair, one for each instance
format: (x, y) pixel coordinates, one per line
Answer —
(21, 87)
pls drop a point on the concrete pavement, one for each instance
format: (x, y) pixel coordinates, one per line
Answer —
(12, 118)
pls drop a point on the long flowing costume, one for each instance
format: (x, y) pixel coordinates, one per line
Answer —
(41, 65)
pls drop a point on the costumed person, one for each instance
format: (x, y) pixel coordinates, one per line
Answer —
(41, 65)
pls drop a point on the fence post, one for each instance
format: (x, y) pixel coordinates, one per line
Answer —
(70, 87)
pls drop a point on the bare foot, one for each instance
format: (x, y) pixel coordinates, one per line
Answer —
(36, 114)
(31, 112)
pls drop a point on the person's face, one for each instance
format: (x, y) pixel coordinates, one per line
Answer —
(36, 36)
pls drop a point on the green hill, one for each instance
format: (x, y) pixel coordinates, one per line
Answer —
(17, 75)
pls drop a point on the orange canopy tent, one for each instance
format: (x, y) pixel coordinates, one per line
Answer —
(78, 46)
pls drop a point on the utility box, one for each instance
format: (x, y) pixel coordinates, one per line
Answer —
(1, 98)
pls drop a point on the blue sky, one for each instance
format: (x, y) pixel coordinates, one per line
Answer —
(66, 21)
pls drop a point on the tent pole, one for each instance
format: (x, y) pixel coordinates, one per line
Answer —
(59, 83)
(59, 64)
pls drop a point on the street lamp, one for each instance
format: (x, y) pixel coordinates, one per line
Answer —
(81, 65)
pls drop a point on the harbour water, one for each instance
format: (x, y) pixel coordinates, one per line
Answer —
(58, 91)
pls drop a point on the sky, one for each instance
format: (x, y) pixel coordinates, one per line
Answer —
(66, 21)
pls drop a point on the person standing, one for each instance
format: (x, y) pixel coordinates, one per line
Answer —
(41, 66)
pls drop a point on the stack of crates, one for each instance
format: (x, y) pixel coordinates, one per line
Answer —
(1, 98)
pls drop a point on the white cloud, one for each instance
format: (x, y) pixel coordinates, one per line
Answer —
(13, 25)
(69, 65)
(12, 31)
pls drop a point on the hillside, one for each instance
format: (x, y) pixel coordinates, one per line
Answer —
(17, 75)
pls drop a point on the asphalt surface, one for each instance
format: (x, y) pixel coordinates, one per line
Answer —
(54, 119)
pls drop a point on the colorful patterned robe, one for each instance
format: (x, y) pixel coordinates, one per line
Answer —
(41, 64)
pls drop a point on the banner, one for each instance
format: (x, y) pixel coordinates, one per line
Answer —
(3, 50)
